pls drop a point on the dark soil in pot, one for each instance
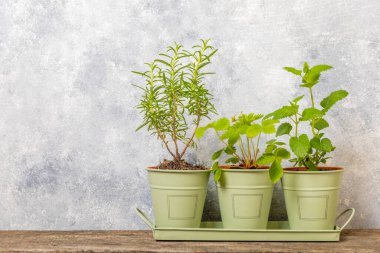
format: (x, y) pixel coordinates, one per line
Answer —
(322, 168)
(178, 165)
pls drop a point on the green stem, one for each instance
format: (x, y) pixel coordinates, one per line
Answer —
(312, 98)
(257, 149)
(249, 151)
(243, 152)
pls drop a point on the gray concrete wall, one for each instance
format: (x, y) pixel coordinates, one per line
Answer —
(69, 155)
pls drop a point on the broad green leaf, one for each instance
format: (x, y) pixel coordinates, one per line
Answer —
(327, 145)
(221, 124)
(283, 112)
(275, 171)
(243, 129)
(282, 153)
(320, 68)
(233, 139)
(200, 131)
(253, 130)
(323, 145)
(315, 142)
(230, 150)
(320, 124)
(270, 148)
(228, 133)
(331, 99)
(284, 128)
(232, 160)
(269, 129)
(271, 141)
(265, 159)
(300, 145)
(312, 76)
(217, 154)
(311, 113)
(269, 122)
(293, 70)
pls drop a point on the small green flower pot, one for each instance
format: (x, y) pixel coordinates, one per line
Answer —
(311, 197)
(178, 196)
(245, 196)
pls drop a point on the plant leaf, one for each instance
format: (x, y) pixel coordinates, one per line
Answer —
(299, 145)
(298, 99)
(253, 130)
(275, 171)
(200, 131)
(232, 160)
(266, 159)
(269, 129)
(217, 154)
(284, 128)
(268, 122)
(312, 76)
(331, 99)
(293, 70)
(326, 145)
(323, 145)
(229, 150)
(305, 67)
(320, 124)
(282, 153)
(319, 68)
(311, 113)
(270, 148)
(233, 138)
(221, 124)
(284, 112)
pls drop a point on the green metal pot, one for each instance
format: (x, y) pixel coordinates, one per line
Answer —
(245, 196)
(178, 196)
(311, 197)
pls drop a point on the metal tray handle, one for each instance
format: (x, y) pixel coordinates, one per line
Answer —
(145, 218)
(148, 221)
(349, 218)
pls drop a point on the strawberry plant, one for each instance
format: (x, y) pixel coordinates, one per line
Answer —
(310, 150)
(175, 98)
(241, 139)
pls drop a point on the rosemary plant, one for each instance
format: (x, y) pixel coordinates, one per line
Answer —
(175, 98)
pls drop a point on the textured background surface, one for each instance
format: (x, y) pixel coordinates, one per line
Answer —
(69, 156)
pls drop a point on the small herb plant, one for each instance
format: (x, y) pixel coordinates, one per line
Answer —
(309, 151)
(175, 98)
(241, 139)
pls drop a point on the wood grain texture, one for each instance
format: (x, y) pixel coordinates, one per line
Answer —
(142, 241)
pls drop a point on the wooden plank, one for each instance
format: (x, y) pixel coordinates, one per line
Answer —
(141, 241)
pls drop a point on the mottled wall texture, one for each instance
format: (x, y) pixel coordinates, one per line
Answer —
(69, 154)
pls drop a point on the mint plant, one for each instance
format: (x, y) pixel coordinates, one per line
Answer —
(241, 139)
(175, 98)
(310, 150)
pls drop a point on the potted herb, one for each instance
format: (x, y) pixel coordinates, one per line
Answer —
(311, 190)
(174, 102)
(245, 188)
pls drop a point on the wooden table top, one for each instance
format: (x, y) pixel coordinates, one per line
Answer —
(142, 241)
